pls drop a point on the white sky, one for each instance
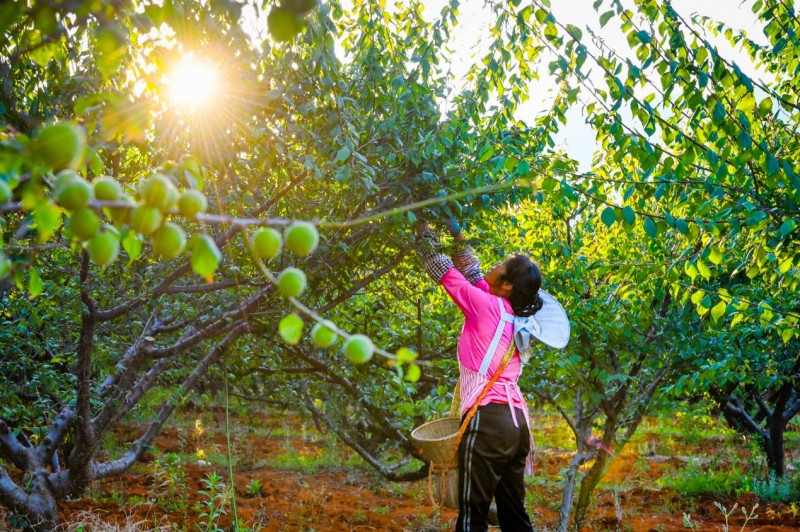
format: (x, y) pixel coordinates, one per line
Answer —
(577, 138)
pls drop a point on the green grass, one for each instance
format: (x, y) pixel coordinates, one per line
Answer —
(328, 457)
(694, 480)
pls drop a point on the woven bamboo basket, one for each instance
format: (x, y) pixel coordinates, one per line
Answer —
(436, 439)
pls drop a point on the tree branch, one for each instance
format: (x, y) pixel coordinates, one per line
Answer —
(120, 465)
(11, 495)
(58, 430)
(19, 455)
(388, 472)
(81, 455)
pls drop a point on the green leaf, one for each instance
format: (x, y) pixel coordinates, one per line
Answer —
(291, 328)
(43, 54)
(745, 140)
(628, 215)
(47, 217)
(609, 216)
(714, 255)
(691, 271)
(35, 286)
(718, 115)
(486, 153)
(575, 32)
(644, 37)
(605, 17)
(132, 244)
(682, 226)
(206, 256)
(718, 310)
(110, 48)
(703, 269)
(697, 296)
(650, 227)
(765, 107)
(787, 227)
(342, 155)
(773, 166)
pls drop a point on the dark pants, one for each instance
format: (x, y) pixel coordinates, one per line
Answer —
(492, 454)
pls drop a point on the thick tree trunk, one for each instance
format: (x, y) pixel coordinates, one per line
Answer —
(42, 507)
(768, 425)
(588, 484)
(774, 446)
(569, 490)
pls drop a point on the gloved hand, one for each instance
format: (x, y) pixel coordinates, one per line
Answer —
(454, 229)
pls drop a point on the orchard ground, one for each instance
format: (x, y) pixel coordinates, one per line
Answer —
(290, 477)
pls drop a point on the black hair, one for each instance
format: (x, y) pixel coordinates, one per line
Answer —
(526, 280)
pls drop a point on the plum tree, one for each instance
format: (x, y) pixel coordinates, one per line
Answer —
(362, 137)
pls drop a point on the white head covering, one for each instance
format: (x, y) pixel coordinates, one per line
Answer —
(549, 325)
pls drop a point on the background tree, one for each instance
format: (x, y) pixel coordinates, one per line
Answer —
(691, 203)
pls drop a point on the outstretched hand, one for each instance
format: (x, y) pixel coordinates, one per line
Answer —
(454, 229)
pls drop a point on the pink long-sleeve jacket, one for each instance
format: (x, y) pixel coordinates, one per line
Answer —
(481, 316)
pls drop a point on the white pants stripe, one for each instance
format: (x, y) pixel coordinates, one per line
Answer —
(468, 469)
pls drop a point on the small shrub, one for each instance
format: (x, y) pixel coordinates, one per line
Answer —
(776, 489)
(216, 498)
(254, 488)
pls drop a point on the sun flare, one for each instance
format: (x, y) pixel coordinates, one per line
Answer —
(193, 82)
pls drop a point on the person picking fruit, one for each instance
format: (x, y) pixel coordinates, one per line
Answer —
(504, 306)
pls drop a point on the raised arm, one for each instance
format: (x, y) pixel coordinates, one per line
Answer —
(472, 300)
(429, 247)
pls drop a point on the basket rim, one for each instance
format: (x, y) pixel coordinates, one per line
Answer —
(415, 434)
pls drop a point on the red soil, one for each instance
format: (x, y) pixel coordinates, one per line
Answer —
(353, 498)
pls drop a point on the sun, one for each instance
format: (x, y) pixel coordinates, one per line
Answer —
(192, 83)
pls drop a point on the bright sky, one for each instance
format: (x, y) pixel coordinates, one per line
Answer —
(576, 137)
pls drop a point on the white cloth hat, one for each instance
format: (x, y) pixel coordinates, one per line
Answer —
(549, 325)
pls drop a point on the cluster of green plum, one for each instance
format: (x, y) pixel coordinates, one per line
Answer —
(59, 148)
(157, 196)
(302, 238)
